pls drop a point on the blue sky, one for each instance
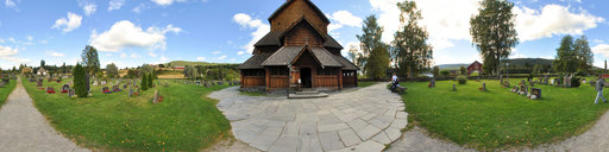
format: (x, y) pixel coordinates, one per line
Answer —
(134, 32)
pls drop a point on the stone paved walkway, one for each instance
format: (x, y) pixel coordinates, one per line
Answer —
(366, 119)
(23, 128)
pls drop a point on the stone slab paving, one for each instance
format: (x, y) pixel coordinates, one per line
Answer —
(24, 128)
(355, 120)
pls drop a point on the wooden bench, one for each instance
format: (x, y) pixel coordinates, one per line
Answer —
(399, 89)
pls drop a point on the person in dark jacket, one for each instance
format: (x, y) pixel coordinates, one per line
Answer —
(600, 83)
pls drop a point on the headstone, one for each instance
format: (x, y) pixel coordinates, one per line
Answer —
(103, 83)
(536, 92)
(50, 90)
(156, 97)
(2, 84)
(65, 88)
(483, 88)
(220, 82)
(39, 83)
(198, 82)
(432, 83)
(124, 86)
(131, 92)
(106, 90)
(71, 93)
(115, 88)
(206, 84)
(454, 87)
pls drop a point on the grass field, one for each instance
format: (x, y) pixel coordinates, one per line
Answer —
(6, 90)
(185, 121)
(500, 119)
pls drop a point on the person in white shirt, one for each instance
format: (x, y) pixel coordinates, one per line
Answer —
(394, 81)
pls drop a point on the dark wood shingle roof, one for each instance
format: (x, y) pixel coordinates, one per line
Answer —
(255, 62)
(315, 8)
(284, 56)
(324, 57)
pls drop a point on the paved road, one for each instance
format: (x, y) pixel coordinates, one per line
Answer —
(23, 128)
(361, 120)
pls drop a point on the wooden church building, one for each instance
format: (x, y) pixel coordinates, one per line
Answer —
(298, 52)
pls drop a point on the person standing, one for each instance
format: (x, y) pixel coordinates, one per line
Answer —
(600, 83)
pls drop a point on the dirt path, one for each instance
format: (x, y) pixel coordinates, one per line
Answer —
(23, 128)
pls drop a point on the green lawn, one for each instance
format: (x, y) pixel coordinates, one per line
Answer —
(6, 90)
(500, 119)
(185, 121)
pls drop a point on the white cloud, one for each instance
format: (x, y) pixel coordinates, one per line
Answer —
(29, 38)
(123, 55)
(2, 40)
(54, 53)
(8, 54)
(134, 55)
(216, 52)
(89, 9)
(164, 59)
(240, 53)
(139, 8)
(166, 2)
(7, 51)
(344, 18)
(68, 24)
(201, 58)
(444, 20)
(552, 20)
(125, 34)
(9, 3)
(115, 4)
(261, 29)
(221, 57)
(515, 54)
(602, 49)
(152, 54)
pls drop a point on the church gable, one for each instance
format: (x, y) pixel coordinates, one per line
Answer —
(293, 10)
(303, 34)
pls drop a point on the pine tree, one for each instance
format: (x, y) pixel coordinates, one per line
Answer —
(144, 83)
(80, 81)
(150, 79)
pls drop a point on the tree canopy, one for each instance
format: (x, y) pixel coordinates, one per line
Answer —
(112, 71)
(370, 39)
(493, 32)
(412, 52)
(90, 59)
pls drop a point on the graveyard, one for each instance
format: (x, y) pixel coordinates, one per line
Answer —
(117, 119)
(499, 118)
(6, 87)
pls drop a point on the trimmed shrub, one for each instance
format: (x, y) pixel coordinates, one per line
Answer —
(80, 81)
(462, 79)
(150, 79)
(144, 83)
(575, 82)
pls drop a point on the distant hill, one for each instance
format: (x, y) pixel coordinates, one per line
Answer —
(452, 66)
(522, 62)
(192, 63)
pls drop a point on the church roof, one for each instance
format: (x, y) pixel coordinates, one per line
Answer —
(274, 38)
(285, 5)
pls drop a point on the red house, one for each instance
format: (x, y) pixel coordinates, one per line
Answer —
(476, 66)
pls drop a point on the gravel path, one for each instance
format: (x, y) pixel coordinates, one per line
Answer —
(415, 140)
(23, 128)
(358, 120)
